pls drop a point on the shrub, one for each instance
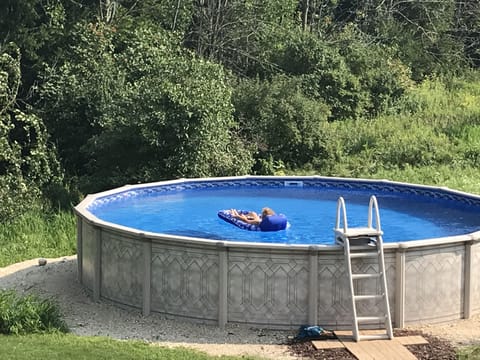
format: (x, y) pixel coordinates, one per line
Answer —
(28, 314)
(469, 144)
(301, 53)
(356, 79)
(284, 125)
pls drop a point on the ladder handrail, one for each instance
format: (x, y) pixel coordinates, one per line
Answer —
(341, 207)
(373, 205)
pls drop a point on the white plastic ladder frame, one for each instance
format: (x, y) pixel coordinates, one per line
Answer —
(342, 236)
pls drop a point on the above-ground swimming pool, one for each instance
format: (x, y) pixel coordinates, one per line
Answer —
(161, 247)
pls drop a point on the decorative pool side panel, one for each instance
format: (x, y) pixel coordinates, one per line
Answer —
(121, 269)
(88, 246)
(434, 280)
(334, 306)
(475, 278)
(184, 280)
(267, 287)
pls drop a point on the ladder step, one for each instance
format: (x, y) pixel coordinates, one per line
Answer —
(364, 254)
(368, 248)
(368, 297)
(374, 337)
(367, 319)
(366, 276)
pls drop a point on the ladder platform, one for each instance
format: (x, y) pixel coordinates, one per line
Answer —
(359, 232)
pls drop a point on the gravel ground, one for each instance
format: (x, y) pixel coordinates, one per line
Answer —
(58, 280)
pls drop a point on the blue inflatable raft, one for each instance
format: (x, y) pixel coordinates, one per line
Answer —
(268, 223)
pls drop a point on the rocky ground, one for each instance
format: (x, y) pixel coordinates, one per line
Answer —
(58, 280)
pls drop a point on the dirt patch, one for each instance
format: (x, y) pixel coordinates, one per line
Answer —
(438, 349)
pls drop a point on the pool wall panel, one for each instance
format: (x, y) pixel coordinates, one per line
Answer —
(475, 279)
(434, 278)
(121, 269)
(391, 270)
(185, 281)
(334, 306)
(88, 254)
(268, 287)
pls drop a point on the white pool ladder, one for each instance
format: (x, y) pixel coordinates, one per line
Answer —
(364, 242)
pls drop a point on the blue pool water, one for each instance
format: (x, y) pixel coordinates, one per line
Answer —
(310, 212)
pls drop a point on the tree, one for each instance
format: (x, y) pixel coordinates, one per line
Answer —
(238, 33)
(36, 27)
(27, 162)
(172, 15)
(467, 29)
(422, 31)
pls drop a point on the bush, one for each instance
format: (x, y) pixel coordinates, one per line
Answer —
(28, 314)
(284, 125)
(301, 53)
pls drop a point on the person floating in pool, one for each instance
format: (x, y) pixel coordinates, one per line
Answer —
(252, 217)
(250, 220)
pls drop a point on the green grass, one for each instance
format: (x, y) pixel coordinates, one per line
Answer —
(469, 353)
(66, 346)
(456, 178)
(36, 234)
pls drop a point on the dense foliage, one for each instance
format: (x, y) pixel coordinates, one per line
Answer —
(130, 105)
(110, 92)
(27, 162)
